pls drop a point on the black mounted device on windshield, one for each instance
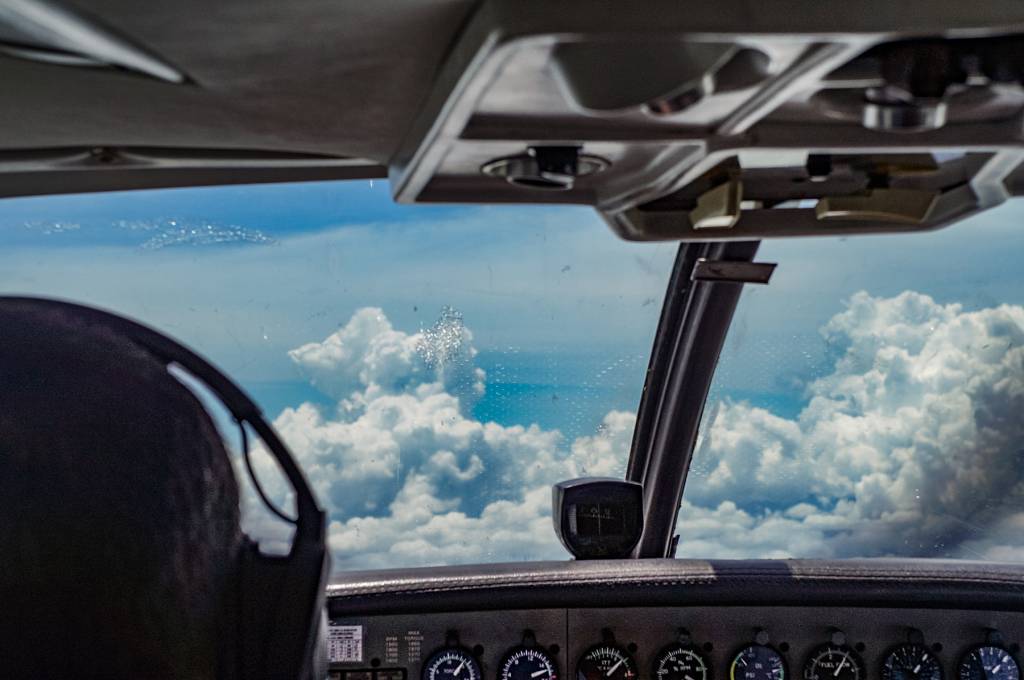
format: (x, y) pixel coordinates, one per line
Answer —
(598, 517)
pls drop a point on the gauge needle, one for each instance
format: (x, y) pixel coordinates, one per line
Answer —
(846, 657)
(459, 669)
(539, 673)
(996, 669)
(613, 668)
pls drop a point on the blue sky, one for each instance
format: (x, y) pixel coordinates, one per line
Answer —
(318, 298)
(775, 345)
(534, 284)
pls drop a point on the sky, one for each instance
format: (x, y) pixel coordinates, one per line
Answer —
(436, 368)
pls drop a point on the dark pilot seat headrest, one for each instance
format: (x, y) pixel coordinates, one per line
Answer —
(119, 510)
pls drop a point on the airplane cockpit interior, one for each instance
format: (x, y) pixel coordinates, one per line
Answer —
(512, 339)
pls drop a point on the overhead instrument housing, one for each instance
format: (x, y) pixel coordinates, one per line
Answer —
(729, 120)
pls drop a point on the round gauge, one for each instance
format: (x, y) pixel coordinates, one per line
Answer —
(605, 662)
(911, 662)
(527, 663)
(680, 662)
(451, 663)
(989, 662)
(758, 662)
(834, 662)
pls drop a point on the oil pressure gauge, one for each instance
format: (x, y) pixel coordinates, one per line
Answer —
(758, 661)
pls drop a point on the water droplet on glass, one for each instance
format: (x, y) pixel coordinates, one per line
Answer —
(442, 342)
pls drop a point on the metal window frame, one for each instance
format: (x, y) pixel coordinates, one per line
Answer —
(695, 319)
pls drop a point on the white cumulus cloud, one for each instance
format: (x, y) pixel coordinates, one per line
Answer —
(910, 445)
(368, 358)
(406, 473)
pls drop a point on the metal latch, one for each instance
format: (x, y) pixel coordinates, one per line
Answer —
(725, 271)
(718, 208)
(903, 206)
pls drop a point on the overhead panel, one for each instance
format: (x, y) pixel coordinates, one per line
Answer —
(728, 120)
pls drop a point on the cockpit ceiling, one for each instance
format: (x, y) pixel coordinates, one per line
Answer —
(334, 77)
(716, 121)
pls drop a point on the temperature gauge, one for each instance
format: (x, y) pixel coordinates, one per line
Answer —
(605, 662)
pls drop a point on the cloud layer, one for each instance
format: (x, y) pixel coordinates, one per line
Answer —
(908, 446)
(406, 473)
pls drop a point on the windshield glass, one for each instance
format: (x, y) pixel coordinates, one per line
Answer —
(434, 369)
(868, 403)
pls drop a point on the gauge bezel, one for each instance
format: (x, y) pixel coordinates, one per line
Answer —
(664, 651)
(630, 659)
(535, 649)
(892, 650)
(853, 654)
(452, 648)
(970, 650)
(740, 650)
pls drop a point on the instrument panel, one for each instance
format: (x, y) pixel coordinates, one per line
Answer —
(682, 643)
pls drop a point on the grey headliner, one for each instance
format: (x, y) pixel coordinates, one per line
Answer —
(339, 77)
